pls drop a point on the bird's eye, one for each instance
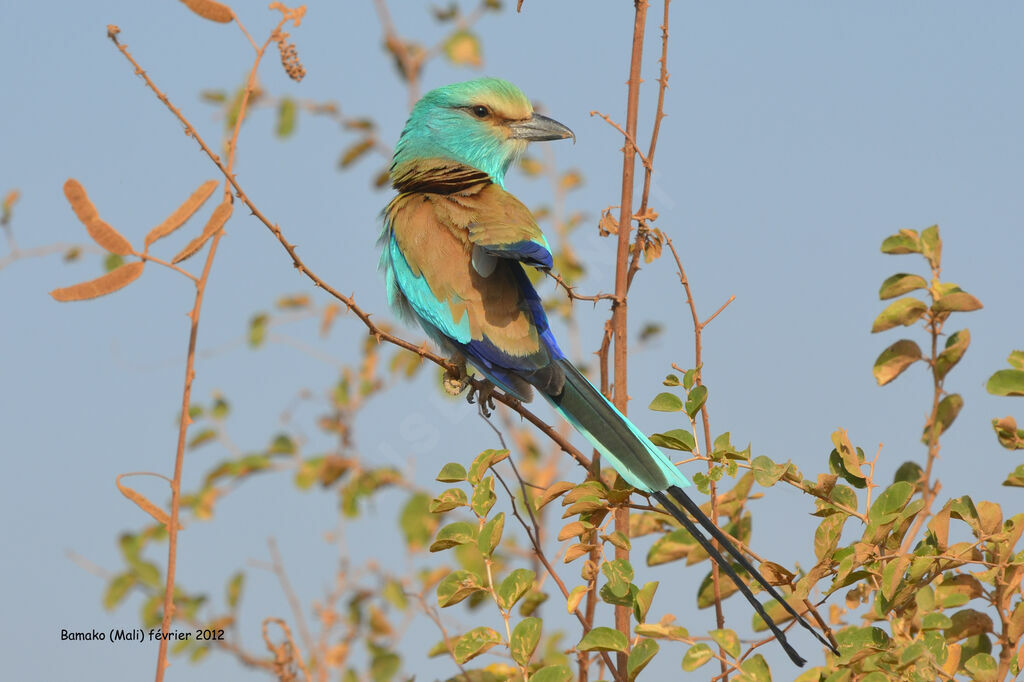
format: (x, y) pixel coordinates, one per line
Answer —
(480, 111)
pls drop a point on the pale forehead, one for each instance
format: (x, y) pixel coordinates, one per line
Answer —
(498, 95)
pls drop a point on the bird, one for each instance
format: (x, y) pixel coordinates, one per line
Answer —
(454, 245)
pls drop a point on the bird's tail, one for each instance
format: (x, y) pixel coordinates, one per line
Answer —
(676, 502)
(633, 455)
(647, 468)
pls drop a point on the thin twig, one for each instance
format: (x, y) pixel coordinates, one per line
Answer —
(277, 566)
(634, 147)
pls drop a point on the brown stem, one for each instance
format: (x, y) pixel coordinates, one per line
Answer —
(619, 306)
(931, 490)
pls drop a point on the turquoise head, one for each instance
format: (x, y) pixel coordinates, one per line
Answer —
(484, 123)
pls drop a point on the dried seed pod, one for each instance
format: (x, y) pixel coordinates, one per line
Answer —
(182, 213)
(117, 278)
(208, 9)
(101, 233)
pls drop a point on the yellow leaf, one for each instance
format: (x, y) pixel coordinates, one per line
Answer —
(463, 49)
(330, 312)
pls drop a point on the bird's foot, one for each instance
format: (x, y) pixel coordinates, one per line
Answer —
(483, 397)
(455, 382)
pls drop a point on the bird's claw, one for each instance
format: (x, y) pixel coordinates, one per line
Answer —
(483, 397)
(455, 382)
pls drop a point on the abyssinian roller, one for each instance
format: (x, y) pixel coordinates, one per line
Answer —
(454, 245)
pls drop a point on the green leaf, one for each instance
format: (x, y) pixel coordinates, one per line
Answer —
(117, 589)
(416, 521)
(728, 640)
(899, 284)
(483, 497)
(394, 593)
(1016, 478)
(619, 539)
(936, 621)
(152, 611)
(726, 587)
(767, 472)
(524, 640)
(531, 602)
(483, 462)
(514, 586)
(448, 500)
(956, 346)
(957, 301)
(982, 668)
(662, 631)
(456, 586)
(1016, 359)
(452, 472)
(676, 439)
(1008, 382)
(603, 639)
(354, 151)
(931, 246)
(552, 673)
(696, 656)
(625, 599)
(675, 545)
(257, 330)
(698, 396)
(826, 537)
(905, 311)
(458, 533)
(642, 654)
(287, 114)
(890, 503)
(905, 241)
(474, 643)
(112, 261)
(234, 589)
(619, 574)
(490, 534)
(203, 436)
(642, 601)
(755, 669)
(666, 402)
(910, 472)
(949, 408)
(894, 360)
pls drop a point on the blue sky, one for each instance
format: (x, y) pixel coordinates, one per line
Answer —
(799, 135)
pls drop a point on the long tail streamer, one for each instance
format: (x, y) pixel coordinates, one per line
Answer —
(676, 498)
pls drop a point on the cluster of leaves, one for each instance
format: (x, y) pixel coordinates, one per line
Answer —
(476, 544)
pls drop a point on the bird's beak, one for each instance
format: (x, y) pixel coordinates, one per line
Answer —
(540, 128)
